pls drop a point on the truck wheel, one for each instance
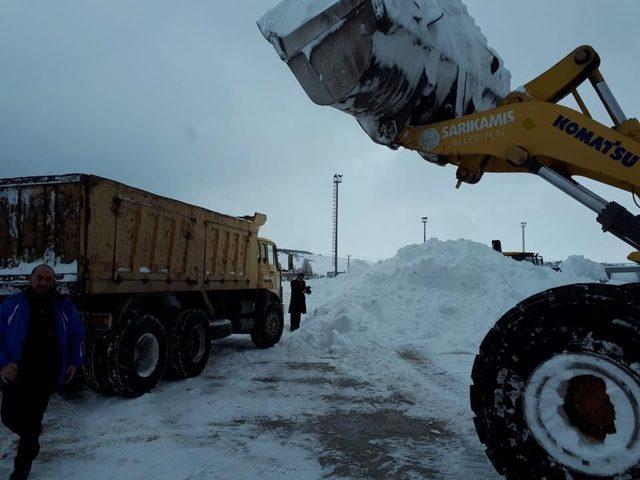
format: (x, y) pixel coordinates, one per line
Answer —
(94, 368)
(267, 332)
(190, 344)
(557, 386)
(137, 357)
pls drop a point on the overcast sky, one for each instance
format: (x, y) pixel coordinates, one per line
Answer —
(187, 99)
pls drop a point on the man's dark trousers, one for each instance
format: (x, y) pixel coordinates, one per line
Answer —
(295, 320)
(23, 406)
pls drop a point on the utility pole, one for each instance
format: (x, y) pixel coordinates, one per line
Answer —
(337, 180)
(348, 263)
(424, 223)
(523, 225)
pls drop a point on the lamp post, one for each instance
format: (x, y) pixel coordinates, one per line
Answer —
(337, 180)
(523, 225)
(424, 224)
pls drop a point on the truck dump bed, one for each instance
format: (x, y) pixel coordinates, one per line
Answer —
(103, 237)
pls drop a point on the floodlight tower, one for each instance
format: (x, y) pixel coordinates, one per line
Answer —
(523, 225)
(337, 180)
(424, 224)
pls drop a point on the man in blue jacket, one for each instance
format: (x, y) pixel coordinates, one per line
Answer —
(41, 345)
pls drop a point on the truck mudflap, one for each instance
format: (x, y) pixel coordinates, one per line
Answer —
(388, 63)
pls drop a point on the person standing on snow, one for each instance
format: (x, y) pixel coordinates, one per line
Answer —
(298, 303)
(41, 344)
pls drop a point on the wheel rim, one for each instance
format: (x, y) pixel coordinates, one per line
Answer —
(196, 343)
(271, 325)
(146, 355)
(583, 411)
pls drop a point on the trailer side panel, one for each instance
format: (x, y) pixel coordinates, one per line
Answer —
(40, 223)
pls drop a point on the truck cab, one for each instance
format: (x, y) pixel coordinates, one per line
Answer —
(269, 271)
(269, 268)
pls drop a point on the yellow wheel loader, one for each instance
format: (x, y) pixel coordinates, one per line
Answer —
(531, 257)
(556, 383)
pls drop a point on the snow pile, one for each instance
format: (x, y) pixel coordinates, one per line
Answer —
(444, 44)
(444, 294)
(448, 30)
(583, 267)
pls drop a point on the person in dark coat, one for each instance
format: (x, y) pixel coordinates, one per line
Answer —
(41, 344)
(298, 303)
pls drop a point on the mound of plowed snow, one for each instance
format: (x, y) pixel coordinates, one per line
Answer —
(583, 267)
(443, 294)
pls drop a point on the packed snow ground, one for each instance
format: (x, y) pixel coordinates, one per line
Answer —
(374, 385)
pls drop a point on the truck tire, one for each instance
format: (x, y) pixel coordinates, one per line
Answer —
(556, 386)
(94, 368)
(137, 357)
(189, 344)
(268, 331)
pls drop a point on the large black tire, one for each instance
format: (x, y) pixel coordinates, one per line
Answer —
(137, 357)
(268, 331)
(540, 351)
(95, 369)
(189, 344)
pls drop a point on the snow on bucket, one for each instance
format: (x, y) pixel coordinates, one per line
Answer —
(389, 63)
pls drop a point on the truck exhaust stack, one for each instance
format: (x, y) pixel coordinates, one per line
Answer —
(389, 63)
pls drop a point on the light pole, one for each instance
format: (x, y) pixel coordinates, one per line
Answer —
(424, 224)
(523, 225)
(337, 180)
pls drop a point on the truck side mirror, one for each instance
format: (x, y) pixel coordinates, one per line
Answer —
(290, 262)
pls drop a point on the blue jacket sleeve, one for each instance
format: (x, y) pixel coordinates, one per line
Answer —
(5, 358)
(76, 337)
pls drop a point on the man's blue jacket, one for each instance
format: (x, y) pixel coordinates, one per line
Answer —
(14, 319)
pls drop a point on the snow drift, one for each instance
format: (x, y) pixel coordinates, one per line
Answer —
(583, 267)
(442, 294)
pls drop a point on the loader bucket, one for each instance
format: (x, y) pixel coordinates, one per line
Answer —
(389, 63)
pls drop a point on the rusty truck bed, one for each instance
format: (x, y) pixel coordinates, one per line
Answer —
(103, 237)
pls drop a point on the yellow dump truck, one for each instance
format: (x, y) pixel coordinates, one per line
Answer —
(155, 279)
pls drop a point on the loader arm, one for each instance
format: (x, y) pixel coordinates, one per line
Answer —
(529, 133)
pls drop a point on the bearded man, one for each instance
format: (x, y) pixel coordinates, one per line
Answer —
(41, 347)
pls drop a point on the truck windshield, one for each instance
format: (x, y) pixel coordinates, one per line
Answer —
(272, 256)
